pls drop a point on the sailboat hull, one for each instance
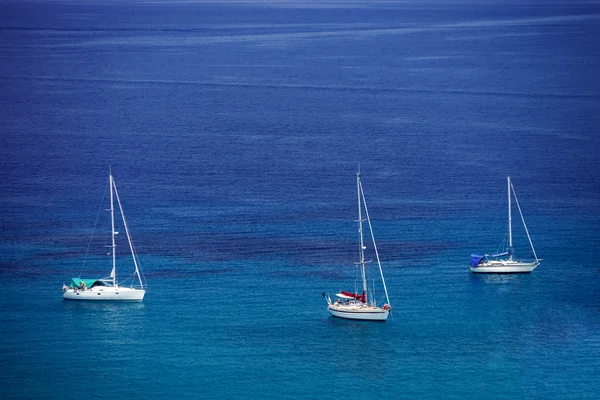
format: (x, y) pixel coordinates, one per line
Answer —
(504, 267)
(364, 313)
(105, 294)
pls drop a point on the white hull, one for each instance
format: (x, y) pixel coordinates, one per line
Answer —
(504, 267)
(105, 293)
(363, 313)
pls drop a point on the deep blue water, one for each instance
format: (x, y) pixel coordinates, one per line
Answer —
(234, 131)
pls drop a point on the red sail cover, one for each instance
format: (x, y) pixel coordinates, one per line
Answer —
(359, 297)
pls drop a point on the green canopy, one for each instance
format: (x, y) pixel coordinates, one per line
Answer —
(76, 282)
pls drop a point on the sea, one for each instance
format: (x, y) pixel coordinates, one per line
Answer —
(234, 131)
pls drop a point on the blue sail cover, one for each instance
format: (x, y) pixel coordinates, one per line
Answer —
(508, 252)
(476, 259)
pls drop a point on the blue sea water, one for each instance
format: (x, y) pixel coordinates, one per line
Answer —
(234, 130)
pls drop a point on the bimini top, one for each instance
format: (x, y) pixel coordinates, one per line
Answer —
(76, 282)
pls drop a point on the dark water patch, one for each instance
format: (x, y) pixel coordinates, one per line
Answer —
(313, 273)
(319, 89)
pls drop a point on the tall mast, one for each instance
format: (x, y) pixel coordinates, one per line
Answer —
(510, 244)
(360, 236)
(112, 220)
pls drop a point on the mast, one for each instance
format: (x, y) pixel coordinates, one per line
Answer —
(112, 221)
(360, 236)
(510, 244)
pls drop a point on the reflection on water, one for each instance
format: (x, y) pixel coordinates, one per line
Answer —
(104, 307)
(107, 322)
(497, 278)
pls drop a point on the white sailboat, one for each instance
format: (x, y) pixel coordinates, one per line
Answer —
(108, 289)
(363, 306)
(503, 263)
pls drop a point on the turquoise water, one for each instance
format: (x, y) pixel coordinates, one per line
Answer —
(234, 131)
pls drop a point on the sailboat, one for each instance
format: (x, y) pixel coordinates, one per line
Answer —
(108, 289)
(363, 306)
(504, 263)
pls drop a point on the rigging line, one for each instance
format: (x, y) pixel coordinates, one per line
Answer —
(492, 231)
(134, 252)
(373, 295)
(503, 244)
(374, 245)
(93, 231)
(523, 220)
(135, 261)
